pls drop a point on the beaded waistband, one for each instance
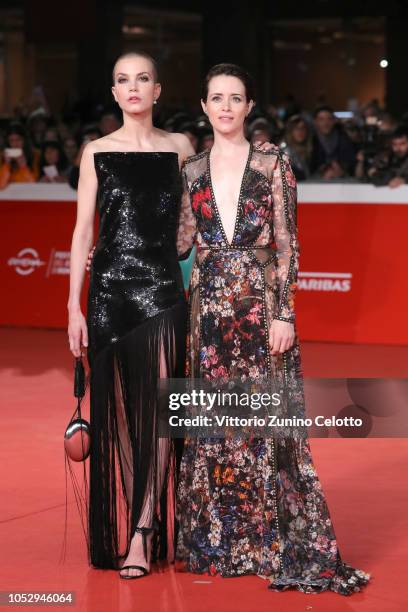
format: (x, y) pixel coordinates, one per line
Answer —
(233, 248)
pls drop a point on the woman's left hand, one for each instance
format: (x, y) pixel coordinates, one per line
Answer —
(281, 336)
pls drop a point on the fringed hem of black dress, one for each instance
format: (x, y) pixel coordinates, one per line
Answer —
(127, 454)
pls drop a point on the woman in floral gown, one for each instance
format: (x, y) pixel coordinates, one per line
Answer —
(248, 506)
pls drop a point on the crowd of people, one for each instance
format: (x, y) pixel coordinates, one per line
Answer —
(368, 146)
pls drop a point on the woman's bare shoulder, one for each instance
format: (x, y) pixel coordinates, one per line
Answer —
(173, 141)
(184, 146)
(110, 142)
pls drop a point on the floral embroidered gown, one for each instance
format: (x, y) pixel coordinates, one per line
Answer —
(250, 506)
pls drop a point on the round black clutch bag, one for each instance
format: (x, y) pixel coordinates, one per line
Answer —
(77, 437)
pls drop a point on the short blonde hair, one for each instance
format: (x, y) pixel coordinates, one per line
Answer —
(138, 54)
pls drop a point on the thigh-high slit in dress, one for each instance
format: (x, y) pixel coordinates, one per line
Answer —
(136, 322)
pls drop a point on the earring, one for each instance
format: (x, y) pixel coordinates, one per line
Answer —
(154, 101)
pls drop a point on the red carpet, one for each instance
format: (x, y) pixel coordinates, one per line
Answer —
(364, 481)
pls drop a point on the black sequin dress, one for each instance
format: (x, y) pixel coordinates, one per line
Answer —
(136, 324)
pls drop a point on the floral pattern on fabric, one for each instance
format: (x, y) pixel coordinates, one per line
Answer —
(251, 506)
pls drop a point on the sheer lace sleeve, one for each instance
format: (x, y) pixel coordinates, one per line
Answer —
(187, 222)
(284, 191)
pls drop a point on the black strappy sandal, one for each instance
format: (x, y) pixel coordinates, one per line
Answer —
(145, 532)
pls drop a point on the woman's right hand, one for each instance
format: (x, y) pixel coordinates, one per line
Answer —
(77, 332)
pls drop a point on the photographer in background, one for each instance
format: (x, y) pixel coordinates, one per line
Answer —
(19, 163)
(53, 163)
(36, 126)
(333, 153)
(390, 166)
(70, 147)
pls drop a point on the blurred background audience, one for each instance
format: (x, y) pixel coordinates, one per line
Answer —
(367, 145)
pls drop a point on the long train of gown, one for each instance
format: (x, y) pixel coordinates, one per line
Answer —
(251, 506)
(136, 321)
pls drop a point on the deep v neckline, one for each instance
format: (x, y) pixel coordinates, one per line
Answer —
(239, 203)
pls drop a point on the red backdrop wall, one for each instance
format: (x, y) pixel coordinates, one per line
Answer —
(353, 261)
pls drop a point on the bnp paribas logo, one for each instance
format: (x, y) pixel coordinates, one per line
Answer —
(325, 281)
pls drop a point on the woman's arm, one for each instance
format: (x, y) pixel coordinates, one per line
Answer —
(81, 243)
(186, 231)
(187, 226)
(284, 191)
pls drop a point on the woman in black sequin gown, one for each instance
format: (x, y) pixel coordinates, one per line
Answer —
(135, 321)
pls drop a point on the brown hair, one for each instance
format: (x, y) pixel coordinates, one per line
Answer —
(230, 70)
(304, 149)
